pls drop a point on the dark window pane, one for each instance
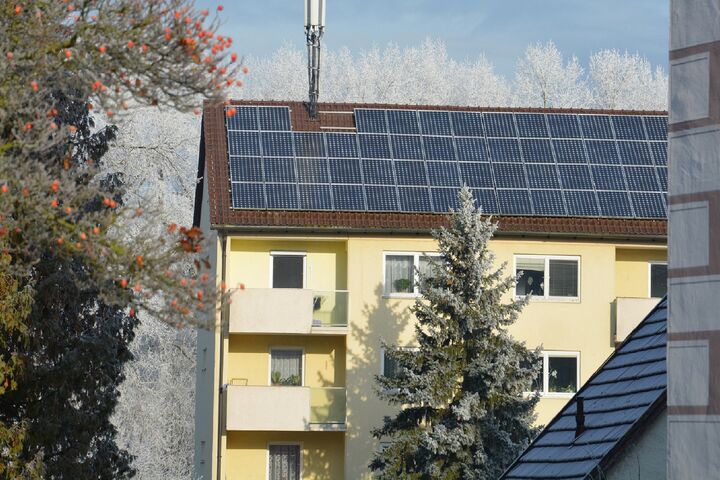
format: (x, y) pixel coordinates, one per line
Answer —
(532, 276)
(563, 278)
(658, 280)
(288, 271)
(284, 462)
(562, 374)
(389, 366)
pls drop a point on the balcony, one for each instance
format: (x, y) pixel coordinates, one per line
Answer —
(288, 311)
(627, 313)
(287, 409)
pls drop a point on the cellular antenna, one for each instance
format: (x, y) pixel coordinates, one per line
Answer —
(314, 27)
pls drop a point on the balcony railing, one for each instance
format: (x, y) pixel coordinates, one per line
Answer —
(288, 310)
(279, 408)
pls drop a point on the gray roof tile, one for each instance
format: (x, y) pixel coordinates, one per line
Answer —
(617, 399)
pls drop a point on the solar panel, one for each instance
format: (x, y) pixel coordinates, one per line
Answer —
(246, 169)
(575, 177)
(313, 170)
(628, 127)
(279, 169)
(244, 143)
(416, 160)
(403, 121)
(439, 148)
(309, 145)
(563, 126)
(548, 202)
(282, 196)
(596, 126)
(504, 150)
(581, 203)
(245, 118)
(656, 128)
(569, 151)
(414, 199)
(247, 195)
(406, 146)
(378, 172)
(648, 205)
(635, 153)
(499, 125)
(274, 118)
(642, 179)
(467, 124)
(608, 177)
(277, 144)
(443, 174)
(444, 199)
(345, 170)
(374, 146)
(659, 152)
(435, 123)
(614, 204)
(542, 176)
(471, 149)
(370, 121)
(341, 145)
(514, 202)
(509, 175)
(315, 197)
(411, 173)
(381, 198)
(531, 125)
(536, 150)
(348, 197)
(476, 175)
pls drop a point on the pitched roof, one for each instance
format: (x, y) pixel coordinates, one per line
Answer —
(339, 117)
(619, 399)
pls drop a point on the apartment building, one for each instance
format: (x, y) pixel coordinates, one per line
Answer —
(319, 225)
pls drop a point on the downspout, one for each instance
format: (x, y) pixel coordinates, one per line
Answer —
(223, 323)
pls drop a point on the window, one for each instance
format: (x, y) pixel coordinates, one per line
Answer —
(548, 277)
(287, 269)
(559, 374)
(284, 462)
(658, 280)
(286, 367)
(388, 366)
(400, 275)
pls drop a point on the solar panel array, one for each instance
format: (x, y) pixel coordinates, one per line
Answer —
(551, 164)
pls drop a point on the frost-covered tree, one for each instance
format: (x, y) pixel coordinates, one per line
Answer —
(627, 81)
(462, 410)
(544, 79)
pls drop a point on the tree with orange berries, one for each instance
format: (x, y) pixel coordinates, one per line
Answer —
(62, 62)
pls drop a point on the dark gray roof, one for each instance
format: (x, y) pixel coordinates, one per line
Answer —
(626, 391)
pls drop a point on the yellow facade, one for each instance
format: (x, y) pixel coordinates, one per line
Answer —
(351, 357)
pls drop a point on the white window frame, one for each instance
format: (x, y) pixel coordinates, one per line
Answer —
(546, 354)
(649, 274)
(302, 366)
(267, 456)
(547, 258)
(416, 264)
(279, 253)
(382, 356)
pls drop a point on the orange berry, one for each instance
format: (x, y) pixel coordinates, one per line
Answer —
(54, 203)
(183, 282)
(233, 57)
(96, 230)
(245, 70)
(196, 111)
(242, 286)
(72, 128)
(109, 113)
(123, 283)
(102, 48)
(204, 13)
(18, 9)
(199, 295)
(220, 8)
(53, 126)
(223, 286)
(60, 240)
(70, 8)
(130, 44)
(137, 288)
(4, 189)
(55, 186)
(83, 236)
(139, 261)
(68, 53)
(68, 210)
(168, 36)
(173, 303)
(34, 86)
(28, 126)
(10, 55)
(131, 312)
(230, 112)
(239, 83)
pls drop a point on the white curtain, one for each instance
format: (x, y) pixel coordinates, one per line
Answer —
(399, 274)
(288, 364)
(284, 462)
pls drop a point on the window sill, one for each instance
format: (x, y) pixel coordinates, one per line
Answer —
(401, 295)
(550, 394)
(551, 299)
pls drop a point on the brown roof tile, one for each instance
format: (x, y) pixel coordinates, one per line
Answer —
(223, 216)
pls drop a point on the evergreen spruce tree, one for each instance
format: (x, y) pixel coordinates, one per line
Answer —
(462, 410)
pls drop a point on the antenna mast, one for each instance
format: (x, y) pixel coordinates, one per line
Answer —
(314, 27)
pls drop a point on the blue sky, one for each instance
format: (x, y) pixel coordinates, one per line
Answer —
(500, 29)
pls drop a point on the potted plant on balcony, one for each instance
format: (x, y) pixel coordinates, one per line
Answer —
(289, 381)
